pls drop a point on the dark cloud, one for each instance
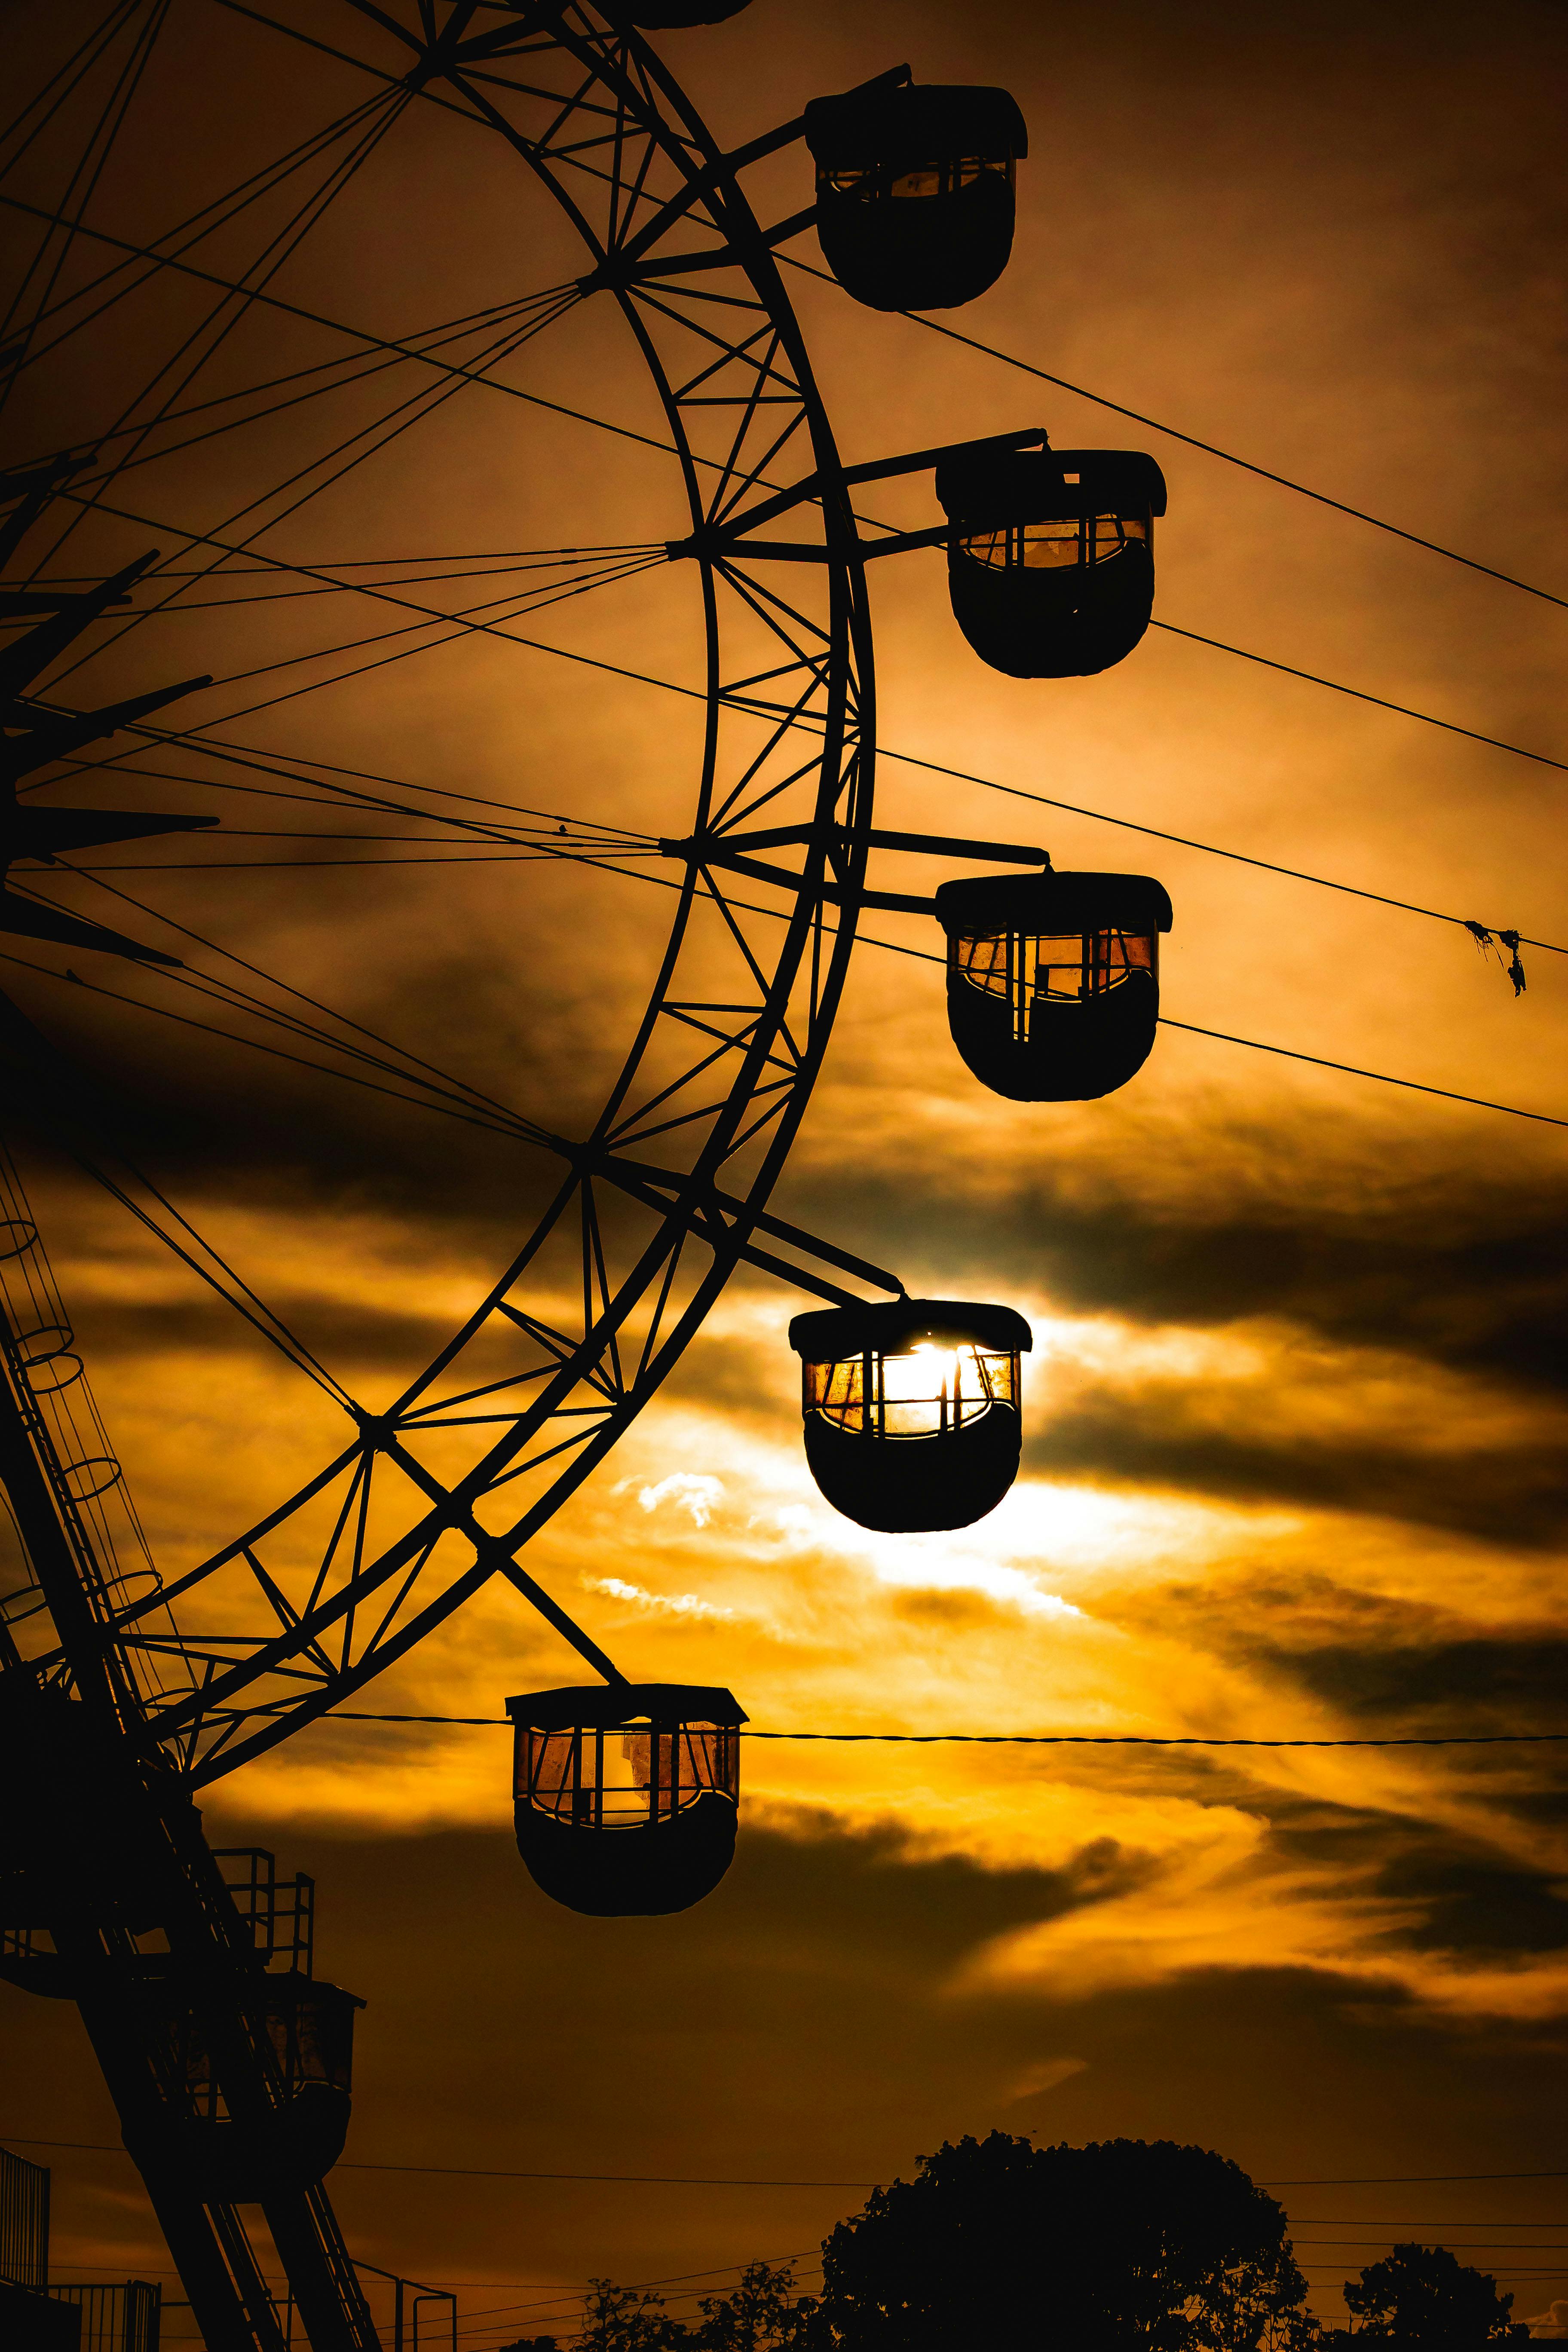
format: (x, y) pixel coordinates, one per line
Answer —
(799, 2025)
(1447, 1265)
(1508, 1495)
(1332, 241)
(1504, 1678)
(1479, 1907)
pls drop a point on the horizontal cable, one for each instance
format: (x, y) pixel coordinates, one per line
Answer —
(1353, 1070)
(1400, 2180)
(1347, 2181)
(1042, 1738)
(1208, 848)
(1379, 702)
(1510, 2245)
(1209, 448)
(478, 2172)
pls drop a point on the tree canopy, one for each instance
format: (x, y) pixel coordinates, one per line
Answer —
(762, 2314)
(1122, 2246)
(1123, 2241)
(1425, 2295)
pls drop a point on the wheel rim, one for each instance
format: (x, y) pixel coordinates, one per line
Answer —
(643, 1298)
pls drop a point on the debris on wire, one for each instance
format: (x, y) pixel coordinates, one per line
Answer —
(1497, 941)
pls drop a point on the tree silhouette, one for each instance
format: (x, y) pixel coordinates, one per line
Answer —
(761, 2315)
(626, 2319)
(1425, 2295)
(1125, 2242)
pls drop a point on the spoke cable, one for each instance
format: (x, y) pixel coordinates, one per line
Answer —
(271, 259)
(1221, 1036)
(101, 137)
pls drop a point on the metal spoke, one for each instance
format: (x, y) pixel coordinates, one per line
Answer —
(340, 1581)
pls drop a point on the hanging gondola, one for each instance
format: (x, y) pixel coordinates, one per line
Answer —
(626, 1794)
(914, 190)
(296, 2145)
(1051, 558)
(1053, 980)
(911, 1409)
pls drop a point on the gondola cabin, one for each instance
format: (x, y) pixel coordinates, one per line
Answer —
(309, 2026)
(627, 1795)
(914, 190)
(1053, 980)
(911, 1409)
(1050, 560)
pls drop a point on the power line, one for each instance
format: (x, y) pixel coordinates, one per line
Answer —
(1048, 1740)
(1352, 1069)
(1399, 2179)
(1476, 2245)
(692, 2180)
(1379, 702)
(1209, 849)
(1209, 448)
(482, 2172)
(1221, 1036)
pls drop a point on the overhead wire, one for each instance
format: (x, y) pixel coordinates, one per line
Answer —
(1357, 694)
(1209, 448)
(1257, 1044)
(933, 767)
(604, 865)
(1403, 2179)
(1217, 645)
(1040, 1738)
(434, 615)
(667, 2180)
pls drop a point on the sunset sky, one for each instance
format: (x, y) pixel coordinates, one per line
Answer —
(1295, 1411)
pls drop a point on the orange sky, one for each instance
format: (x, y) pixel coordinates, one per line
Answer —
(1295, 1415)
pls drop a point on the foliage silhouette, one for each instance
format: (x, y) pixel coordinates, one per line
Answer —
(1125, 2242)
(626, 2319)
(761, 2315)
(1423, 2295)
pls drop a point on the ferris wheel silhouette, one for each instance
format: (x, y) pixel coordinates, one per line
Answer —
(231, 2090)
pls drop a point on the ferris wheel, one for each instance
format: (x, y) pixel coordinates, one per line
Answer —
(231, 2077)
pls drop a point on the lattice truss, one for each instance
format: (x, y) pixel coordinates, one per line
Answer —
(428, 1499)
